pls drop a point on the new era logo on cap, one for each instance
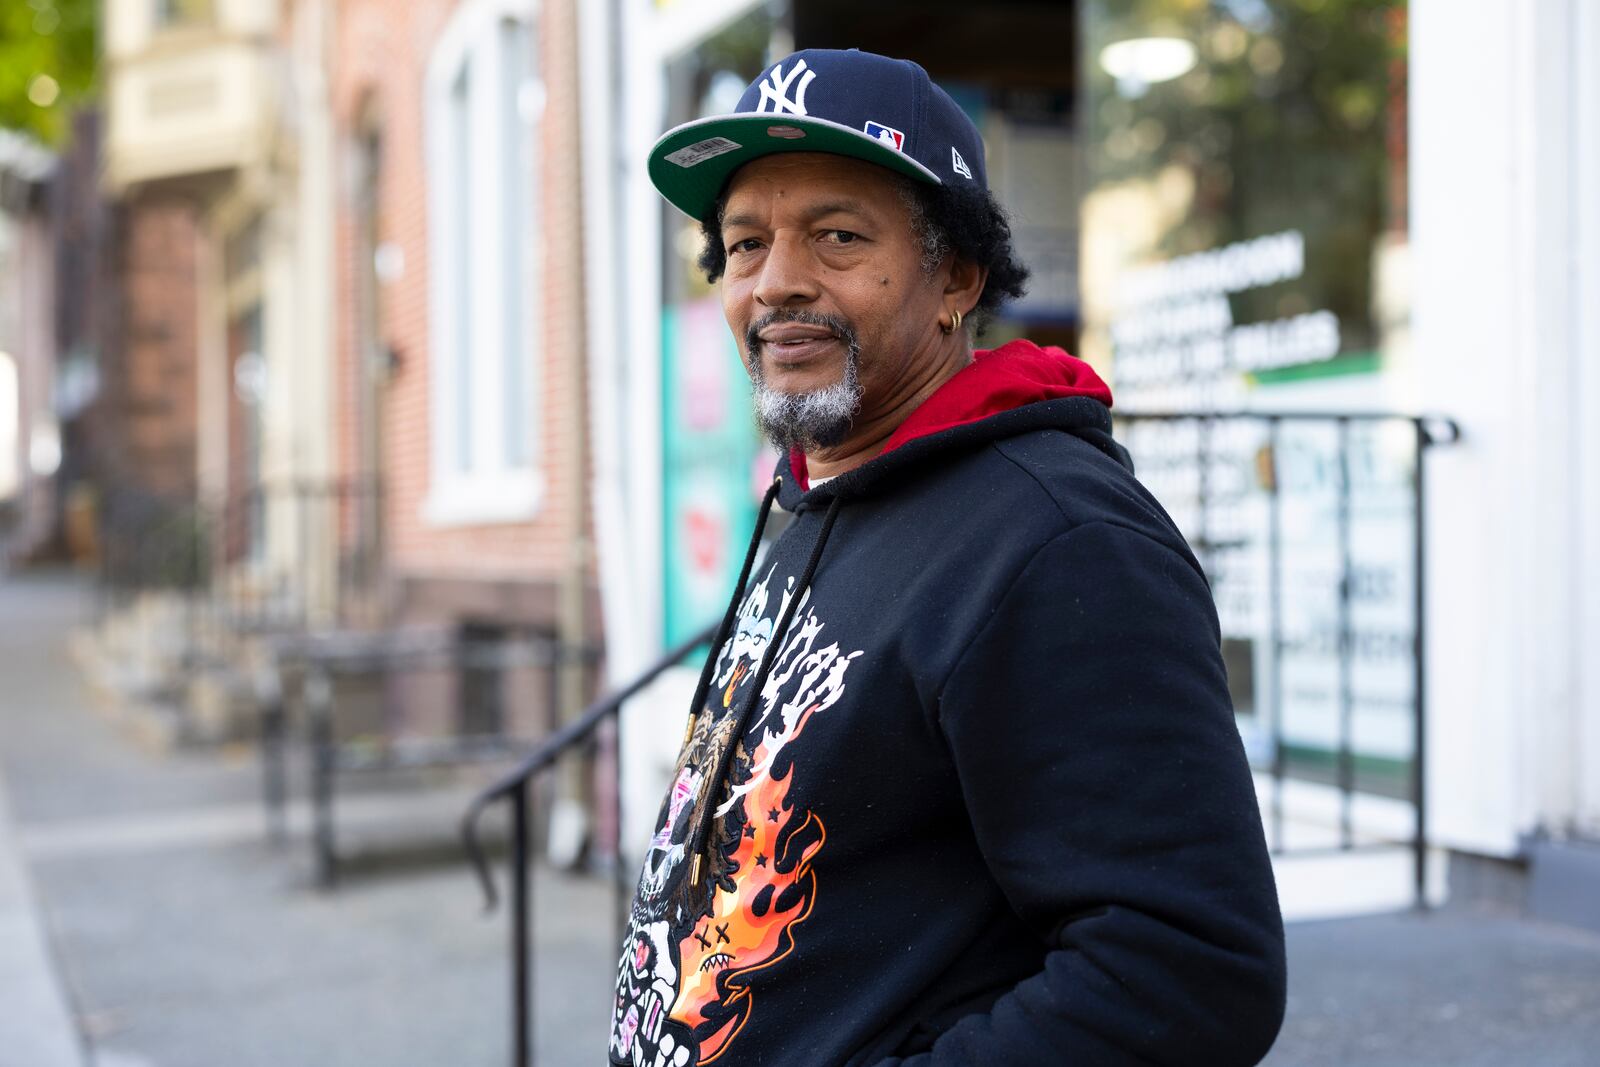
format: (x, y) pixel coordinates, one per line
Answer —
(851, 103)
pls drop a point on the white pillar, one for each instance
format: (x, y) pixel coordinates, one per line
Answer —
(314, 286)
(1503, 201)
(649, 724)
(1584, 47)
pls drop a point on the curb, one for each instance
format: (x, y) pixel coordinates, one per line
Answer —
(36, 1027)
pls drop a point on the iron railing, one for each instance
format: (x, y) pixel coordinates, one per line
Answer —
(249, 550)
(481, 732)
(289, 557)
(514, 789)
(147, 541)
(276, 559)
(1231, 481)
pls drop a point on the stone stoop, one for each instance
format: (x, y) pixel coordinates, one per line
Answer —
(156, 688)
(219, 707)
(137, 651)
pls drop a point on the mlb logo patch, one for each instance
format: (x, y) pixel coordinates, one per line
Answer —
(887, 135)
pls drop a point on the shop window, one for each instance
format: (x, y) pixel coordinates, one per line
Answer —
(483, 114)
(1246, 247)
(1245, 224)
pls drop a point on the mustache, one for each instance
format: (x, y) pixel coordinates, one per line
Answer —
(834, 324)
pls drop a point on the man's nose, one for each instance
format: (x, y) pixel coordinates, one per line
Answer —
(788, 273)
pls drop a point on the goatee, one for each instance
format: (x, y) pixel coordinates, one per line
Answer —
(808, 421)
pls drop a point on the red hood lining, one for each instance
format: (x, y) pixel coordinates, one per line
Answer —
(997, 380)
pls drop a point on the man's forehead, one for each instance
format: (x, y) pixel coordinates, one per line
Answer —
(813, 183)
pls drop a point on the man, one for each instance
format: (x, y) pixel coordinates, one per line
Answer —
(961, 782)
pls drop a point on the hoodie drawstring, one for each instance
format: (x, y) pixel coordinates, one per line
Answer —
(707, 815)
(704, 685)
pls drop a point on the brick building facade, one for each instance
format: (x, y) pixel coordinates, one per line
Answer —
(440, 106)
(148, 402)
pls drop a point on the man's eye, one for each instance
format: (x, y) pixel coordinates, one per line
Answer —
(842, 237)
(746, 245)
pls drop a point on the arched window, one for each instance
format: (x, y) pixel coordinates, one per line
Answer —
(483, 109)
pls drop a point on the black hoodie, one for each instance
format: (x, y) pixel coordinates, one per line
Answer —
(990, 806)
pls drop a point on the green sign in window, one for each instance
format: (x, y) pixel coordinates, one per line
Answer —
(710, 451)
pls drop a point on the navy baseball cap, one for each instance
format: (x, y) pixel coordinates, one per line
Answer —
(848, 103)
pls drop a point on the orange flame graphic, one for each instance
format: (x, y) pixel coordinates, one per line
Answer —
(739, 671)
(751, 927)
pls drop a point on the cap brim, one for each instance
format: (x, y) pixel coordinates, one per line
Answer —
(691, 163)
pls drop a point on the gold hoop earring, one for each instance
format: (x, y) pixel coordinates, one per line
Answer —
(955, 315)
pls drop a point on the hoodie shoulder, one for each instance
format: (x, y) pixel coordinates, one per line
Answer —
(1086, 485)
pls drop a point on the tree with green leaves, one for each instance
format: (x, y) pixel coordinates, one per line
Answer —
(48, 62)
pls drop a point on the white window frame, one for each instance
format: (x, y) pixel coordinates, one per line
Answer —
(495, 489)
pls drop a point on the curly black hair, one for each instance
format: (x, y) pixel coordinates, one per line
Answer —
(945, 219)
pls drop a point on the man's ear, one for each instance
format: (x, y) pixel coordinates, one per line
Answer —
(964, 284)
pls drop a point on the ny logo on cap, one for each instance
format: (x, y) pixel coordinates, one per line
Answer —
(775, 90)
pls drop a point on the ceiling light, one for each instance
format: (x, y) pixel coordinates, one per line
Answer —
(1140, 62)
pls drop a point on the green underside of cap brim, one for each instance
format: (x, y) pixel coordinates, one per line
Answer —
(695, 188)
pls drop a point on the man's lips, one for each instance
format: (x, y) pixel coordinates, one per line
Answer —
(795, 342)
(784, 332)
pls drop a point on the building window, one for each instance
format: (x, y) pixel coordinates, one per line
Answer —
(484, 99)
(183, 13)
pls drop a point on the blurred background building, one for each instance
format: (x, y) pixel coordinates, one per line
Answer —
(30, 443)
(339, 317)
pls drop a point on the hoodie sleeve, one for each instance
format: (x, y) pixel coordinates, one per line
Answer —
(1094, 738)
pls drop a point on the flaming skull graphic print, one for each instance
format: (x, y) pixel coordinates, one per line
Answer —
(683, 990)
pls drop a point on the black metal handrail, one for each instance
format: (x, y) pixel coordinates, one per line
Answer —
(308, 666)
(514, 786)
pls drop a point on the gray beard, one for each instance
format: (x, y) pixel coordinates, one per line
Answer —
(808, 421)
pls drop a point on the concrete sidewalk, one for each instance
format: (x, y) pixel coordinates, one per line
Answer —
(1458, 987)
(36, 1028)
(182, 938)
